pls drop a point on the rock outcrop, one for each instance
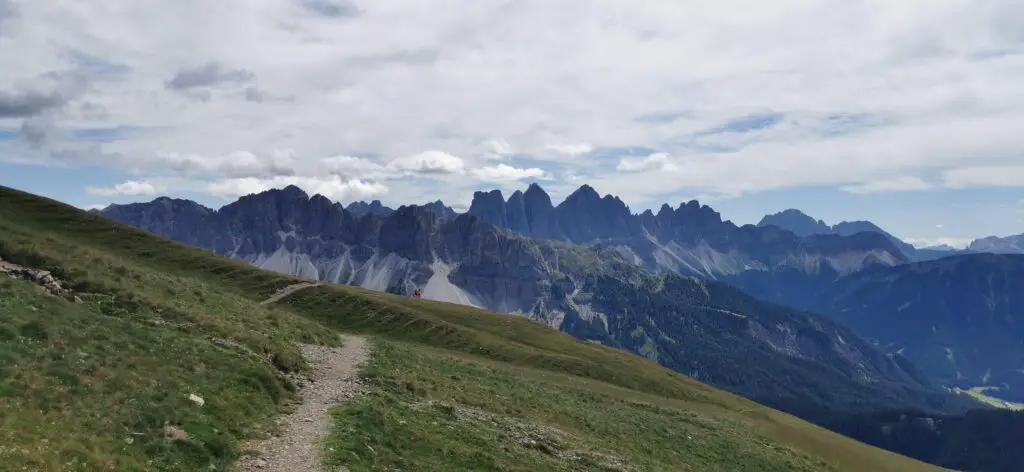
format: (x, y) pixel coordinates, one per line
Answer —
(43, 278)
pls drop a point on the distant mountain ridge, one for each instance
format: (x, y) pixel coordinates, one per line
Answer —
(360, 208)
(701, 328)
(691, 239)
(801, 224)
(959, 318)
(996, 245)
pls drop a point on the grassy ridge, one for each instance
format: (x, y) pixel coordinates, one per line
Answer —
(471, 384)
(91, 386)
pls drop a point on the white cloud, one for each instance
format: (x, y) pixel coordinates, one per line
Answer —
(503, 172)
(660, 162)
(897, 184)
(333, 187)
(429, 162)
(985, 176)
(131, 188)
(857, 91)
(497, 149)
(355, 167)
(570, 149)
(234, 164)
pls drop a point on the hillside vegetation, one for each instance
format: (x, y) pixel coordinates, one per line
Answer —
(96, 385)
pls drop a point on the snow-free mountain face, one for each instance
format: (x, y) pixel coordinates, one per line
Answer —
(691, 239)
(591, 292)
(996, 245)
(960, 318)
(358, 209)
(797, 222)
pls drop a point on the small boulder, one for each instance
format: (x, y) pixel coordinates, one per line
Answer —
(196, 399)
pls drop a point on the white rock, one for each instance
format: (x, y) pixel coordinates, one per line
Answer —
(196, 399)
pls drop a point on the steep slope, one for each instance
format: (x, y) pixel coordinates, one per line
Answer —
(691, 239)
(982, 441)
(961, 319)
(590, 292)
(454, 386)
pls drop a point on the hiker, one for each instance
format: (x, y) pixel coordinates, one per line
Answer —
(417, 293)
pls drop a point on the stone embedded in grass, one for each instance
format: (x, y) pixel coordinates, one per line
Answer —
(196, 399)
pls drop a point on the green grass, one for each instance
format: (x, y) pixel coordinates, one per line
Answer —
(437, 410)
(90, 386)
(978, 393)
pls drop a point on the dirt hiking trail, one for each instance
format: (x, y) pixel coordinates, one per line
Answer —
(334, 380)
(284, 292)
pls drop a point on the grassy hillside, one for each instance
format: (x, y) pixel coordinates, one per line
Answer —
(92, 385)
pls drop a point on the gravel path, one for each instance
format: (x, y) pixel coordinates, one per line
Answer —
(334, 381)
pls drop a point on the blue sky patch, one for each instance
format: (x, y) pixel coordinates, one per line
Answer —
(746, 124)
(104, 135)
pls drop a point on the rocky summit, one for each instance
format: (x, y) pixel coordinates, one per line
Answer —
(690, 239)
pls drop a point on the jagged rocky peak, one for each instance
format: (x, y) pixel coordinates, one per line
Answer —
(585, 193)
(489, 206)
(692, 212)
(361, 208)
(536, 191)
(439, 209)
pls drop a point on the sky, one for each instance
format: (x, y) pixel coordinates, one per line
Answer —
(909, 114)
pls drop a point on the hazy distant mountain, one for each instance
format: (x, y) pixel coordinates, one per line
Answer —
(940, 247)
(959, 318)
(709, 330)
(799, 223)
(993, 244)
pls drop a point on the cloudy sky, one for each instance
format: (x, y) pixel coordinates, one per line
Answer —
(909, 113)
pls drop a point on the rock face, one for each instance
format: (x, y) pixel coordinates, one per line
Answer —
(691, 239)
(701, 328)
(359, 209)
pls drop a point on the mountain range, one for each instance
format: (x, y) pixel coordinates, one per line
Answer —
(561, 252)
(703, 328)
(1007, 245)
(691, 239)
